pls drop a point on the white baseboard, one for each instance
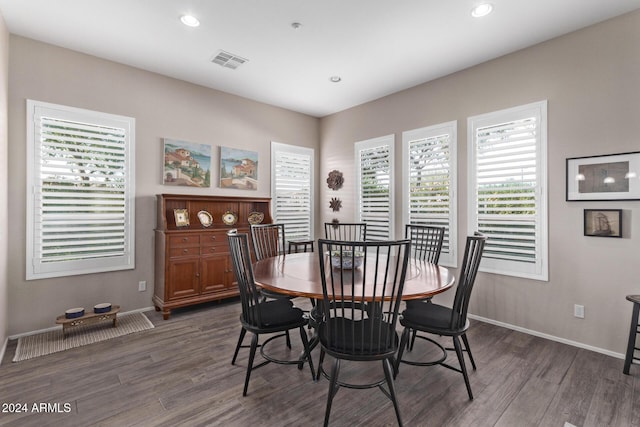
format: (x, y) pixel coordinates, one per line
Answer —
(547, 336)
(26, 334)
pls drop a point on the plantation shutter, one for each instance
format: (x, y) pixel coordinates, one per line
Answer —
(81, 195)
(430, 183)
(375, 160)
(510, 197)
(292, 190)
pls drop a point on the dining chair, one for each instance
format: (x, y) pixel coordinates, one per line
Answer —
(426, 245)
(350, 232)
(268, 241)
(444, 321)
(358, 328)
(426, 241)
(263, 317)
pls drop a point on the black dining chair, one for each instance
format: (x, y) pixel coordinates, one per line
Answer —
(263, 317)
(426, 241)
(345, 231)
(268, 241)
(444, 321)
(358, 328)
(426, 245)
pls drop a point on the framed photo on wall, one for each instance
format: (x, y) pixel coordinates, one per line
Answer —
(606, 177)
(603, 222)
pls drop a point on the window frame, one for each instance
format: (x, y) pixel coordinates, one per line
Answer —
(538, 270)
(36, 269)
(296, 150)
(388, 140)
(449, 258)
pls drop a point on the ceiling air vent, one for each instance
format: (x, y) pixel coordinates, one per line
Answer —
(228, 60)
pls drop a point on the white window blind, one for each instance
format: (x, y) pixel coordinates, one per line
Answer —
(81, 184)
(292, 189)
(508, 182)
(429, 184)
(374, 166)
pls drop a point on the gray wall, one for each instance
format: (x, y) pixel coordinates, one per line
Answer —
(4, 207)
(591, 79)
(163, 107)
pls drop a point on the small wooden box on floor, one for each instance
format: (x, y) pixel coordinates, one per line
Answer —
(88, 319)
(192, 263)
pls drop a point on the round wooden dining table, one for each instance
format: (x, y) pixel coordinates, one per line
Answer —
(298, 275)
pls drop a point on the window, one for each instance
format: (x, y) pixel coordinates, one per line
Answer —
(292, 189)
(374, 172)
(80, 184)
(508, 189)
(429, 182)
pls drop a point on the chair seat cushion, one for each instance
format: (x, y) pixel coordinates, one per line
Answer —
(279, 312)
(429, 315)
(357, 336)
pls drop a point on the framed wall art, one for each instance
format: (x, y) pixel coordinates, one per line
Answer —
(186, 163)
(603, 222)
(606, 177)
(238, 169)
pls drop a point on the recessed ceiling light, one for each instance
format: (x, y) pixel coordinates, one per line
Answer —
(481, 10)
(190, 21)
(335, 79)
(296, 25)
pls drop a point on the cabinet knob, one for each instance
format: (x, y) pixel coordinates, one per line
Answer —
(185, 251)
(213, 237)
(213, 249)
(197, 274)
(185, 239)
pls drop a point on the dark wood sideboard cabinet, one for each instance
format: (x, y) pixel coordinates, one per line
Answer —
(192, 262)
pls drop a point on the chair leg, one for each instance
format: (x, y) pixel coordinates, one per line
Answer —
(252, 354)
(631, 344)
(333, 389)
(320, 362)
(288, 339)
(468, 350)
(403, 344)
(389, 374)
(243, 331)
(413, 339)
(307, 352)
(463, 366)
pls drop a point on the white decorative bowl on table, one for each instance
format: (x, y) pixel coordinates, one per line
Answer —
(348, 261)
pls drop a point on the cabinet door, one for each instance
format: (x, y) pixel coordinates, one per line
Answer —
(214, 273)
(183, 279)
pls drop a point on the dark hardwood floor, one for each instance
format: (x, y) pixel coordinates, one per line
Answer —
(180, 373)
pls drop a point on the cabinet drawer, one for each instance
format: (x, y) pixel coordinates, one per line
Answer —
(215, 239)
(184, 240)
(180, 252)
(211, 250)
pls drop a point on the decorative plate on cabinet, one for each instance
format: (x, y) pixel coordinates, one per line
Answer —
(255, 218)
(229, 218)
(205, 218)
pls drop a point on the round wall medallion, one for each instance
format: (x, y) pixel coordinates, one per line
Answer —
(335, 180)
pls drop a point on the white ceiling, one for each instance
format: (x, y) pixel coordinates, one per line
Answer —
(378, 47)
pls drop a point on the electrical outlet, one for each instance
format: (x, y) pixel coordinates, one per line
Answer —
(578, 311)
(142, 286)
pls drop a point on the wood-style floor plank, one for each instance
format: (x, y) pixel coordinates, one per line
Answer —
(180, 374)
